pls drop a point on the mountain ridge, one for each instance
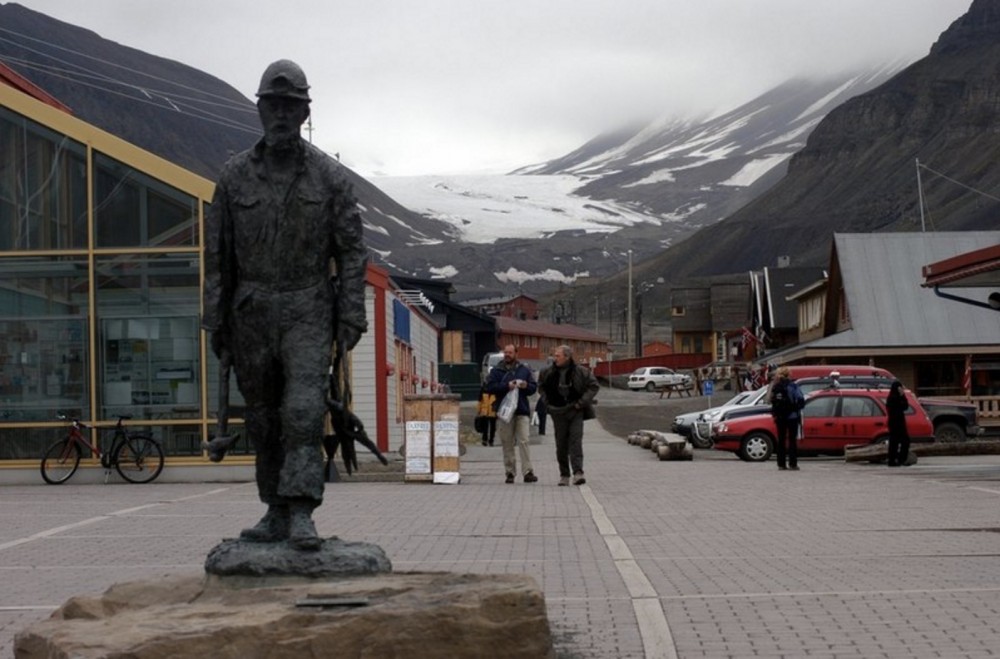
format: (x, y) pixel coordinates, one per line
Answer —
(175, 111)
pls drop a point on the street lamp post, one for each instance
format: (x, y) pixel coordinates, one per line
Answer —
(628, 323)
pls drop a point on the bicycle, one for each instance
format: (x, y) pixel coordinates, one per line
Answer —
(136, 456)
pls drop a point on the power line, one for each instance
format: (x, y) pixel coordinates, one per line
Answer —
(958, 183)
(68, 74)
(76, 73)
(97, 59)
(222, 121)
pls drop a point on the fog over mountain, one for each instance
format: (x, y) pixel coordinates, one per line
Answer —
(640, 188)
(688, 195)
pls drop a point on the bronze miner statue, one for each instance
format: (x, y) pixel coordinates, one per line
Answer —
(284, 301)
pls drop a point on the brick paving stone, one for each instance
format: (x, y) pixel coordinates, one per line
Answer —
(837, 560)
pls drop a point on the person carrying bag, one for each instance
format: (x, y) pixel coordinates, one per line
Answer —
(486, 417)
(512, 383)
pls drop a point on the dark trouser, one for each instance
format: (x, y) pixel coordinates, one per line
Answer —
(281, 355)
(489, 429)
(899, 447)
(788, 430)
(568, 432)
(541, 422)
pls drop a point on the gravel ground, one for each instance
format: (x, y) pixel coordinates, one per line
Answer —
(620, 420)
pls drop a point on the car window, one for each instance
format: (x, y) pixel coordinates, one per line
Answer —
(859, 406)
(821, 406)
(809, 387)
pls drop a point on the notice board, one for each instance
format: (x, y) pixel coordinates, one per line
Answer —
(431, 438)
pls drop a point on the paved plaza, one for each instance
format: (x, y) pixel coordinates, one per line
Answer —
(709, 558)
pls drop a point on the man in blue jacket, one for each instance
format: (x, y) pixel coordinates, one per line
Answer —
(511, 376)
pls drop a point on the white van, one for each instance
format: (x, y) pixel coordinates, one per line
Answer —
(490, 360)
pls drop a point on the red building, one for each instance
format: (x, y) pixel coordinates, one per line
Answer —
(535, 339)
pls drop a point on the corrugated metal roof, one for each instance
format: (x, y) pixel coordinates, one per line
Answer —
(888, 306)
(551, 330)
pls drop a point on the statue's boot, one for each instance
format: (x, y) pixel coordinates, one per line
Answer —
(272, 527)
(301, 530)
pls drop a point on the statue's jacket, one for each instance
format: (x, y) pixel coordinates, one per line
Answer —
(262, 237)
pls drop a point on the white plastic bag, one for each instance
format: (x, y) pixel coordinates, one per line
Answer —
(508, 406)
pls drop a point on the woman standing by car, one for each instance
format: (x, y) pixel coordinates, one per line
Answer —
(899, 439)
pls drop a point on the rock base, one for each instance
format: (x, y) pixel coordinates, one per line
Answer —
(335, 558)
(384, 615)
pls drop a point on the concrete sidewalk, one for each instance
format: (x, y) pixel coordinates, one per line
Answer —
(710, 558)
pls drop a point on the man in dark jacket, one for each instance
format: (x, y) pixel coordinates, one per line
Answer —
(284, 277)
(786, 400)
(511, 376)
(568, 391)
(899, 437)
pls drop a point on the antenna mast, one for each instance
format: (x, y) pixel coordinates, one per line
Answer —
(920, 200)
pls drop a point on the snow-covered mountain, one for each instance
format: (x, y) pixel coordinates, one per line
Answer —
(640, 188)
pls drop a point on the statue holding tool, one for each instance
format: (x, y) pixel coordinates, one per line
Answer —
(284, 303)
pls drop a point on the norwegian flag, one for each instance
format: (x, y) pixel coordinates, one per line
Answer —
(747, 338)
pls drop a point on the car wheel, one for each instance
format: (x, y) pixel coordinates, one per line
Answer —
(650, 386)
(757, 447)
(949, 431)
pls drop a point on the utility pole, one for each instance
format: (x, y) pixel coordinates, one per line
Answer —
(638, 325)
(628, 323)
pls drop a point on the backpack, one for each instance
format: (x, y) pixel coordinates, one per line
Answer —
(781, 401)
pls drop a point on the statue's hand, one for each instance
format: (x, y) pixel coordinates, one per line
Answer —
(348, 336)
(220, 343)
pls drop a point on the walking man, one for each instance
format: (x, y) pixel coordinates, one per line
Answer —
(510, 375)
(284, 278)
(568, 390)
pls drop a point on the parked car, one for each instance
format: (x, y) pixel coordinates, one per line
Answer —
(759, 405)
(832, 419)
(652, 377)
(683, 424)
(954, 420)
(809, 378)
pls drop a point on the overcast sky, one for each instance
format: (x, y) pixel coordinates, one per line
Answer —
(450, 86)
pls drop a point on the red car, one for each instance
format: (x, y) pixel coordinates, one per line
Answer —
(832, 419)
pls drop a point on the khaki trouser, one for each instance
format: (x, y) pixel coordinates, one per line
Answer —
(515, 431)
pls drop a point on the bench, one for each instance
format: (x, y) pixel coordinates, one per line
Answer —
(680, 389)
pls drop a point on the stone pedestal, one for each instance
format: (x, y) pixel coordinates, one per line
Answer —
(247, 617)
(335, 558)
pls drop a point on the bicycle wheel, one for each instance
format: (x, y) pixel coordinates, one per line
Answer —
(60, 461)
(139, 459)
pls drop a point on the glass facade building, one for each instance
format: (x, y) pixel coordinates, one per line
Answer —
(100, 275)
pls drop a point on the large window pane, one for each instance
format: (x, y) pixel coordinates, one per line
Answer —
(43, 339)
(147, 309)
(43, 178)
(132, 209)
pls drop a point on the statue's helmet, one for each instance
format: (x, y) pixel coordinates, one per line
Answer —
(284, 78)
